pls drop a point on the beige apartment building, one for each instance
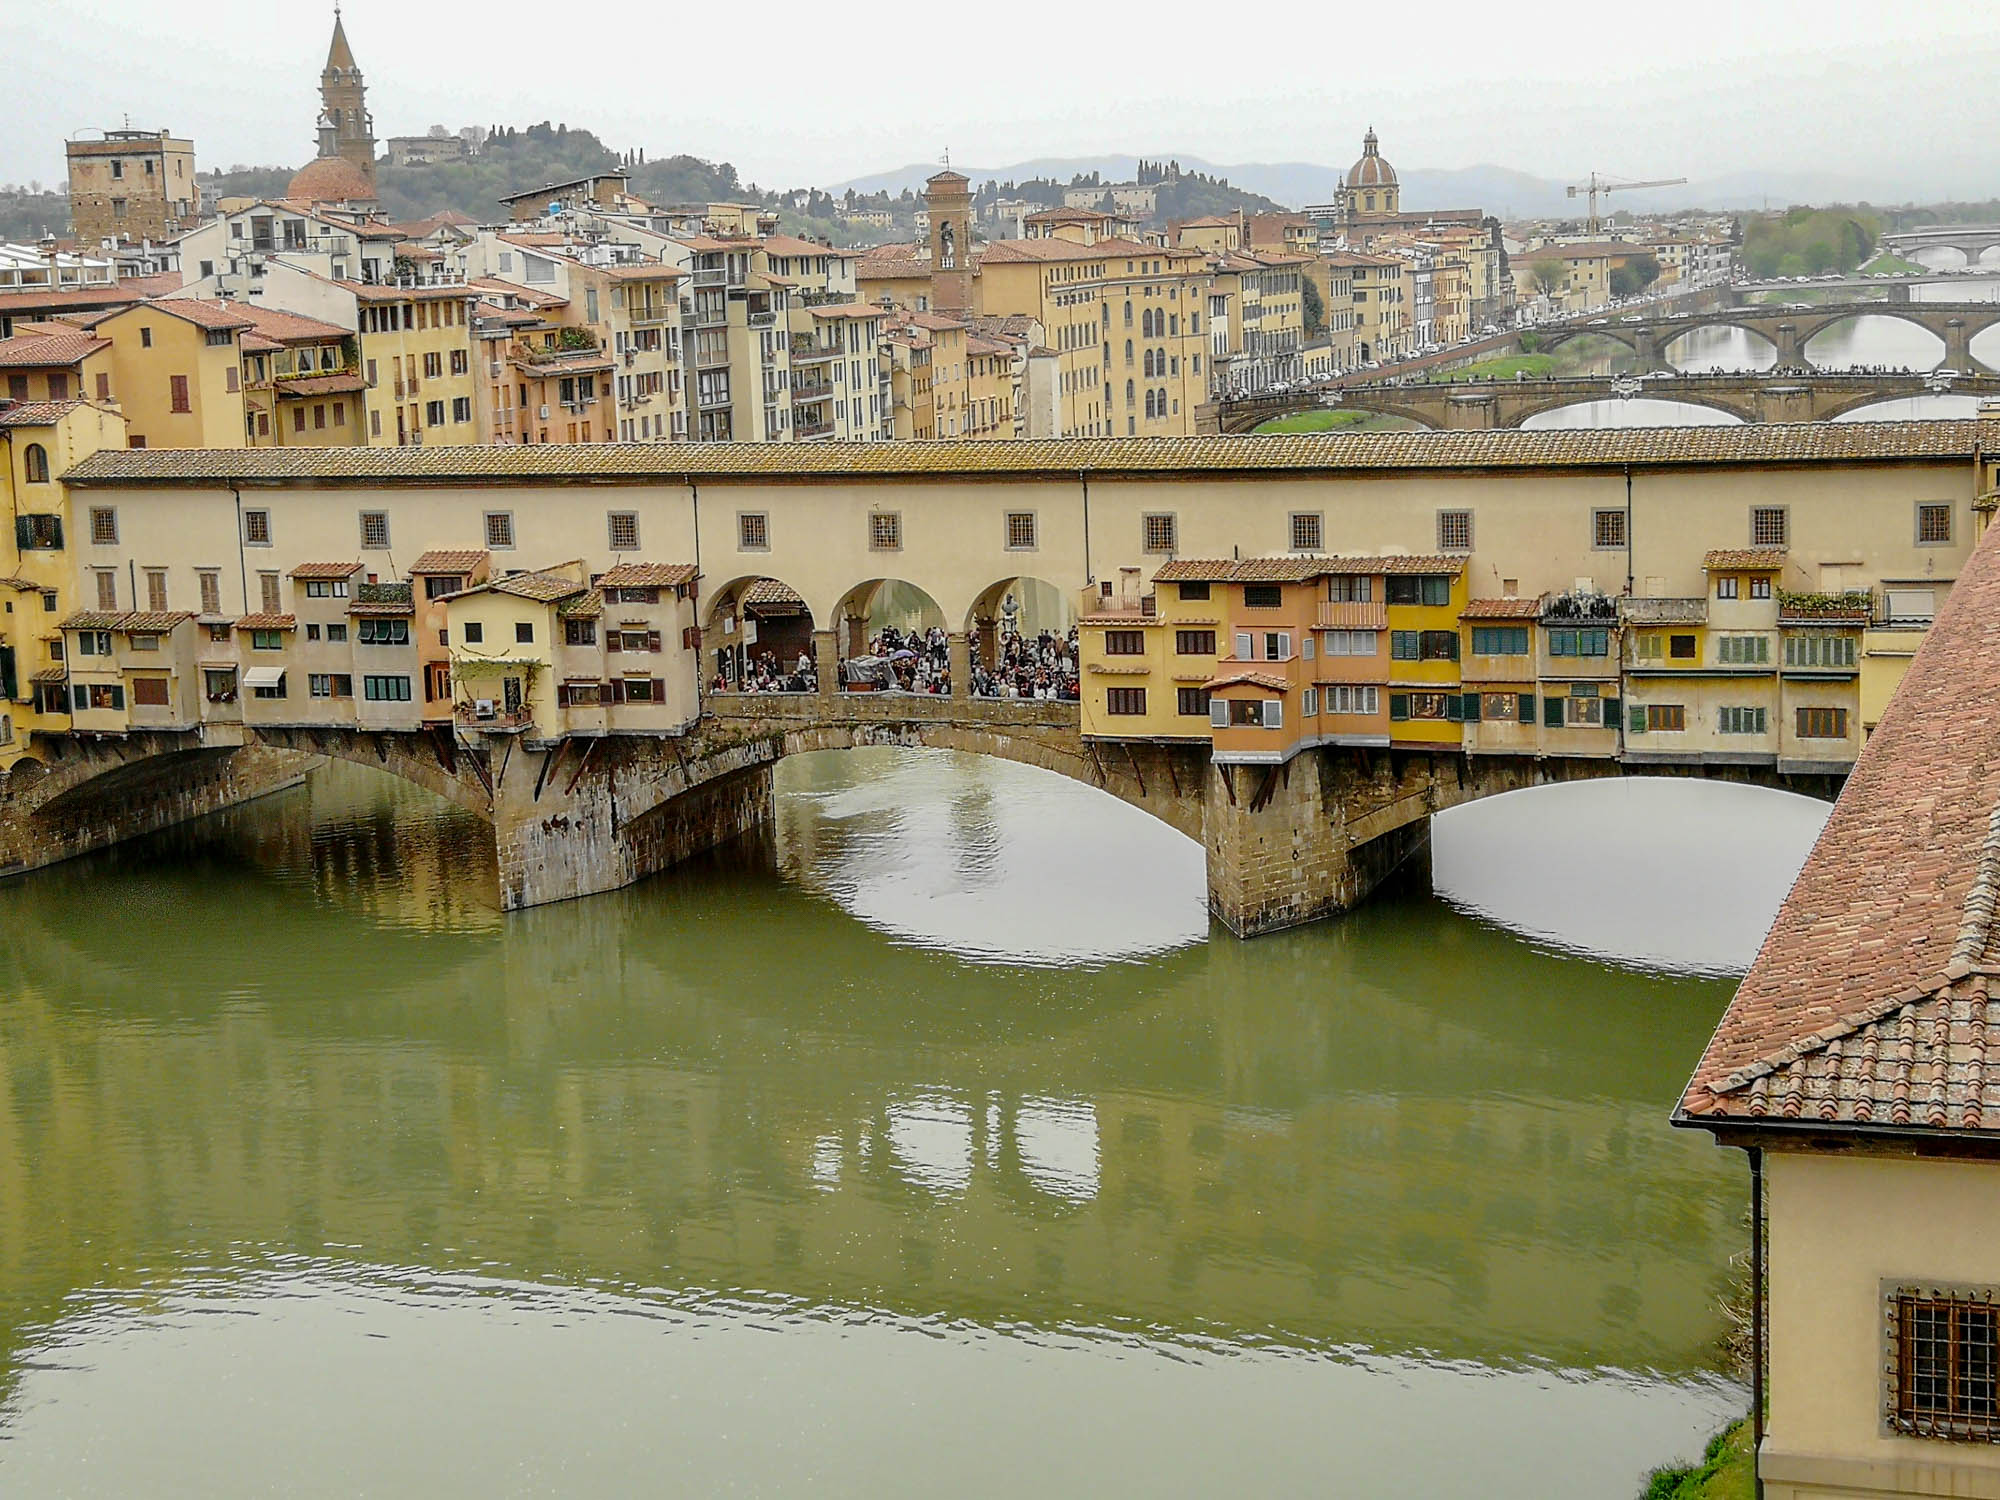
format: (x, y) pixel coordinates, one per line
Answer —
(1380, 286)
(131, 185)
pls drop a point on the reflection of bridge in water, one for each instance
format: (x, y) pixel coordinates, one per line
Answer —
(1772, 396)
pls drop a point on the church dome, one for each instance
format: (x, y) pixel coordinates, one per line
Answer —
(1371, 170)
(331, 179)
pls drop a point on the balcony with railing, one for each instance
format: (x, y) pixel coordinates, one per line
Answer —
(809, 351)
(1341, 614)
(807, 429)
(804, 391)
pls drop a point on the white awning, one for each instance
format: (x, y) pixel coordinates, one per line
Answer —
(264, 677)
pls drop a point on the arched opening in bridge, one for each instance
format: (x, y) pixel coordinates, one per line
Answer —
(1939, 258)
(1660, 872)
(987, 859)
(1914, 409)
(1985, 346)
(758, 638)
(892, 636)
(1873, 341)
(1638, 412)
(1022, 638)
(1719, 349)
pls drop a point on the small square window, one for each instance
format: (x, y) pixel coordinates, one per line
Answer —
(499, 529)
(1020, 531)
(524, 632)
(1160, 532)
(103, 526)
(256, 528)
(753, 531)
(1944, 1366)
(1454, 531)
(885, 531)
(1308, 531)
(1933, 524)
(474, 632)
(1607, 528)
(1768, 526)
(375, 530)
(622, 530)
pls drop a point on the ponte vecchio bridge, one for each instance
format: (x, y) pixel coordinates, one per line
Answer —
(958, 525)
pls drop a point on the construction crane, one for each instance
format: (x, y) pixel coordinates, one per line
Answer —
(1601, 184)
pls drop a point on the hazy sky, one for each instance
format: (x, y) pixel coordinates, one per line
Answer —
(797, 93)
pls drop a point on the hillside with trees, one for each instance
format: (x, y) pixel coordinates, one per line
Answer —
(1809, 241)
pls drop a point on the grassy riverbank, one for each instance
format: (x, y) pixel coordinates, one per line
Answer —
(1336, 421)
(1724, 1472)
(1891, 264)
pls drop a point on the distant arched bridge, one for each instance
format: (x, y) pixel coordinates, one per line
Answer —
(1786, 330)
(1795, 396)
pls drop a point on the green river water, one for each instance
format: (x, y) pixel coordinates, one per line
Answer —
(931, 1146)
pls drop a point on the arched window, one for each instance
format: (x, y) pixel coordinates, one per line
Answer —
(1128, 312)
(1128, 352)
(1149, 403)
(1131, 393)
(1149, 364)
(1173, 324)
(36, 461)
(1194, 322)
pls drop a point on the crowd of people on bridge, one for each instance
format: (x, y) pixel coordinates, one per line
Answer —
(910, 661)
(766, 672)
(1042, 666)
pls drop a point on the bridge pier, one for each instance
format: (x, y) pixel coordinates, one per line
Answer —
(1957, 346)
(1790, 348)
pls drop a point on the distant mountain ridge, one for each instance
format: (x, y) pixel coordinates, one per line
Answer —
(1498, 190)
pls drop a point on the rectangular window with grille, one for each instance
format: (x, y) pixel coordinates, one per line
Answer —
(1124, 643)
(1933, 524)
(1822, 723)
(885, 531)
(1263, 595)
(1125, 701)
(1191, 702)
(1020, 531)
(1944, 1365)
(375, 530)
(103, 526)
(1768, 526)
(1160, 533)
(256, 528)
(1607, 528)
(1454, 531)
(385, 689)
(499, 529)
(1194, 643)
(1308, 531)
(753, 531)
(621, 529)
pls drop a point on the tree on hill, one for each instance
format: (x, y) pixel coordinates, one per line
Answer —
(1809, 241)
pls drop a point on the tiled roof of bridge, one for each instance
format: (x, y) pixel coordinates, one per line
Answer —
(1297, 569)
(648, 576)
(448, 560)
(326, 570)
(267, 621)
(1747, 559)
(112, 619)
(1871, 1004)
(1800, 443)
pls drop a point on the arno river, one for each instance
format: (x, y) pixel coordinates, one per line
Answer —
(934, 1146)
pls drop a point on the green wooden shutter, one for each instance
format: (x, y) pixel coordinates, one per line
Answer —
(1454, 708)
(1472, 708)
(1399, 705)
(1611, 713)
(1637, 719)
(1552, 712)
(1525, 707)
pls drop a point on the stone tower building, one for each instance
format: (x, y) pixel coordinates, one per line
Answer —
(948, 196)
(345, 168)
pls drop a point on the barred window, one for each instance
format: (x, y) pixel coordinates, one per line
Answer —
(753, 531)
(1607, 528)
(621, 529)
(1767, 526)
(1308, 531)
(1933, 524)
(256, 528)
(375, 529)
(1454, 531)
(1020, 530)
(1161, 534)
(499, 528)
(103, 526)
(885, 531)
(1944, 1365)
(1263, 596)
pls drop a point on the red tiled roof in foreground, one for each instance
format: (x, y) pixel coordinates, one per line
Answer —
(1872, 1004)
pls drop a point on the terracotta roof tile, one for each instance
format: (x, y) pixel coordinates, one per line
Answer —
(1746, 559)
(326, 570)
(36, 413)
(1870, 1004)
(585, 606)
(1502, 609)
(545, 588)
(32, 350)
(219, 316)
(1607, 449)
(267, 622)
(448, 560)
(1247, 679)
(1298, 569)
(320, 385)
(648, 576)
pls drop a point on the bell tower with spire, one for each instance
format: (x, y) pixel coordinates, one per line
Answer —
(346, 129)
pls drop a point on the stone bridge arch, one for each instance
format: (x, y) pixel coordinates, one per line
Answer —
(1675, 332)
(1742, 406)
(1619, 333)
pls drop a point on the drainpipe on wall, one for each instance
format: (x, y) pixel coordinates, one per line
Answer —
(1628, 531)
(1083, 479)
(1756, 1319)
(242, 561)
